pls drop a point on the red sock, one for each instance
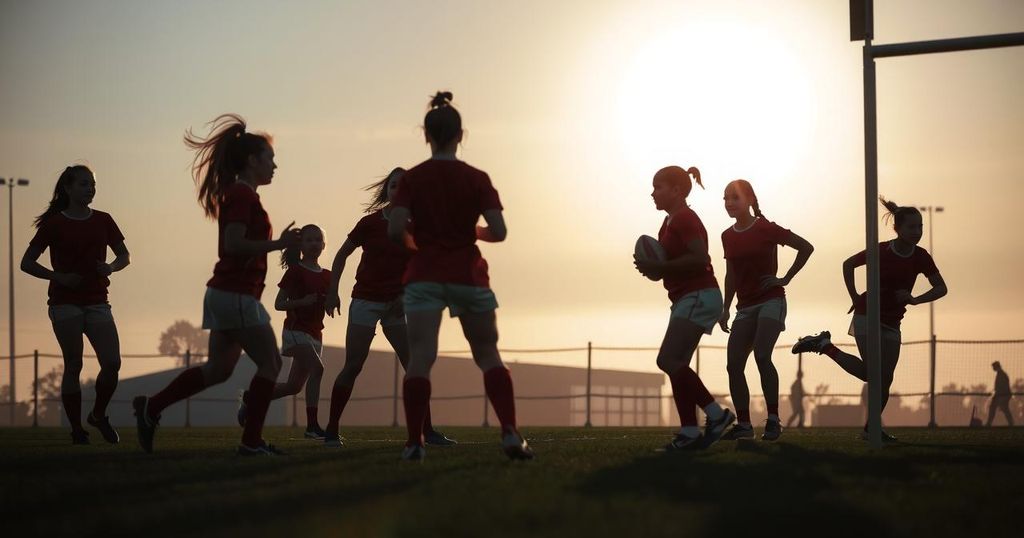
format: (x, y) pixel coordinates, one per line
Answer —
(73, 409)
(498, 386)
(258, 401)
(830, 350)
(416, 396)
(684, 403)
(743, 415)
(311, 418)
(186, 384)
(105, 385)
(339, 398)
(773, 409)
(701, 395)
(428, 425)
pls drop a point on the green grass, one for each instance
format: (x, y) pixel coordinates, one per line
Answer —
(585, 482)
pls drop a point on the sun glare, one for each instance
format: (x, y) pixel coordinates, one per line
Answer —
(719, 96)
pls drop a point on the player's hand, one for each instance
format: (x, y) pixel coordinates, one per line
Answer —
(308, 300)
(332, 304)
(772, 281)
(723, 321)
(104, 268)
(290, 237)
(68, 280)
(649, 268)
(904, 297)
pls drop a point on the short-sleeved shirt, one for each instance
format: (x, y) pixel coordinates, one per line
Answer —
(445, 199)
(676, 233)
(754, 254)
(895, 273)
(299, 281)
(243, 274)
(77, 246)
(380, 271)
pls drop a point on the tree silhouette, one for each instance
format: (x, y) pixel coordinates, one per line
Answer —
(182, 336)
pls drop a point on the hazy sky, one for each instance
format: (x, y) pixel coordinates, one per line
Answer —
(570, 106)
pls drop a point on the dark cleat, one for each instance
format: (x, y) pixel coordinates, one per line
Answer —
(515, 447)
(436, 438)
(106, 430)
(414, 453)
(739, 431)
(772, 430)
(315, 433)
(813, 344)
(79, 437)
(683, 443)
(714, 429)
(263, 450)
(145, 426)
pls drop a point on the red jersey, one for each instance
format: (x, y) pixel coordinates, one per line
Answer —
(379, 276)
(676, 232)
(299, 281)
(445, 199)
(754, 254)
(76, 246)
(241, 274)
(895, 273)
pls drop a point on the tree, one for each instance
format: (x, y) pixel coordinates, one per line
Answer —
(182, 336)
(22, 410)
(48, 386)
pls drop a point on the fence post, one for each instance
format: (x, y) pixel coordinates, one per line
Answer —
(188, 401)
(589, 353)
(931, 384)
(35, 389)
(394, 397)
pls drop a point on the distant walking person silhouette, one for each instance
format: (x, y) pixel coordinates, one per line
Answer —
(376, 298)
(301, 295)
(900, 261)
(78, 237)
(796, 399)
(445, 199)
(229, 165)
(1000, 396)
(690, 281)
(751, 248)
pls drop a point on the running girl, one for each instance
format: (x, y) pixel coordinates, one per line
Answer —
(302, 291)
(78, 237)
(900, 261)
(445, 198)
(376, 298)
(230, 164)
(752, 261)
(696, 306)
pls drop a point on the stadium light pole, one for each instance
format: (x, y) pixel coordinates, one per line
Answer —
(11, 183)
(931, 320)
(862, 29)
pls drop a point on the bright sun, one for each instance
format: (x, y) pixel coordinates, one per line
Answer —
(721, 97)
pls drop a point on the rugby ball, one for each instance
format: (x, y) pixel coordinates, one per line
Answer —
(648, 248)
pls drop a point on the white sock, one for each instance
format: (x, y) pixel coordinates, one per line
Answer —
(713, 411)
(773, 417)
(690, 431)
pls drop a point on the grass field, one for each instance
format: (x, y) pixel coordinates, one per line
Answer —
(585, 482)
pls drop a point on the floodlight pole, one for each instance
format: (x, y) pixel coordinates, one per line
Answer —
(862, 11)
(11, 183)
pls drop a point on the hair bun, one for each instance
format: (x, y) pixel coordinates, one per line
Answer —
(441, 99)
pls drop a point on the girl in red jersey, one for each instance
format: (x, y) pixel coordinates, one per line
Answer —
(376, 298)
(752, 261)
(696, 306)
(78, 237)
(230, 164)
(302, 291)
(900, 261)
(445, 198)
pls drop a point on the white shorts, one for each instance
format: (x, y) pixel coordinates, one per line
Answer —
(224, 310)
(91, 314)
(859, 327)
(702, 307)
(459, 298)
(292, 339)
(771, 309)
(369, 313)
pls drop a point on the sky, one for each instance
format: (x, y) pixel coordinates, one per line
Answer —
(569, 106)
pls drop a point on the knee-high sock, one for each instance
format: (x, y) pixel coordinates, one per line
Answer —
(258, 402)
(683, 397)
(73, 408)
(186, 384)
(339, 399)
(106, 383)
(416, 396)
(498, 385)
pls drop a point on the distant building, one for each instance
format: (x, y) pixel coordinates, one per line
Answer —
(542, 395)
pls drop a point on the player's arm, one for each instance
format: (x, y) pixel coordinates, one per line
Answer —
(849, 265)
(804, 249)
(730, 292)
(937, 292)
(332, 303)
(495, 231)
(692, 260)
(235, 243)
(398, 221)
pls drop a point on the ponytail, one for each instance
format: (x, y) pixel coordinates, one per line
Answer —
(60, 200)
(221, 156)
(682, 178)
(293, 254)
(896, 212)
(442, 123)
